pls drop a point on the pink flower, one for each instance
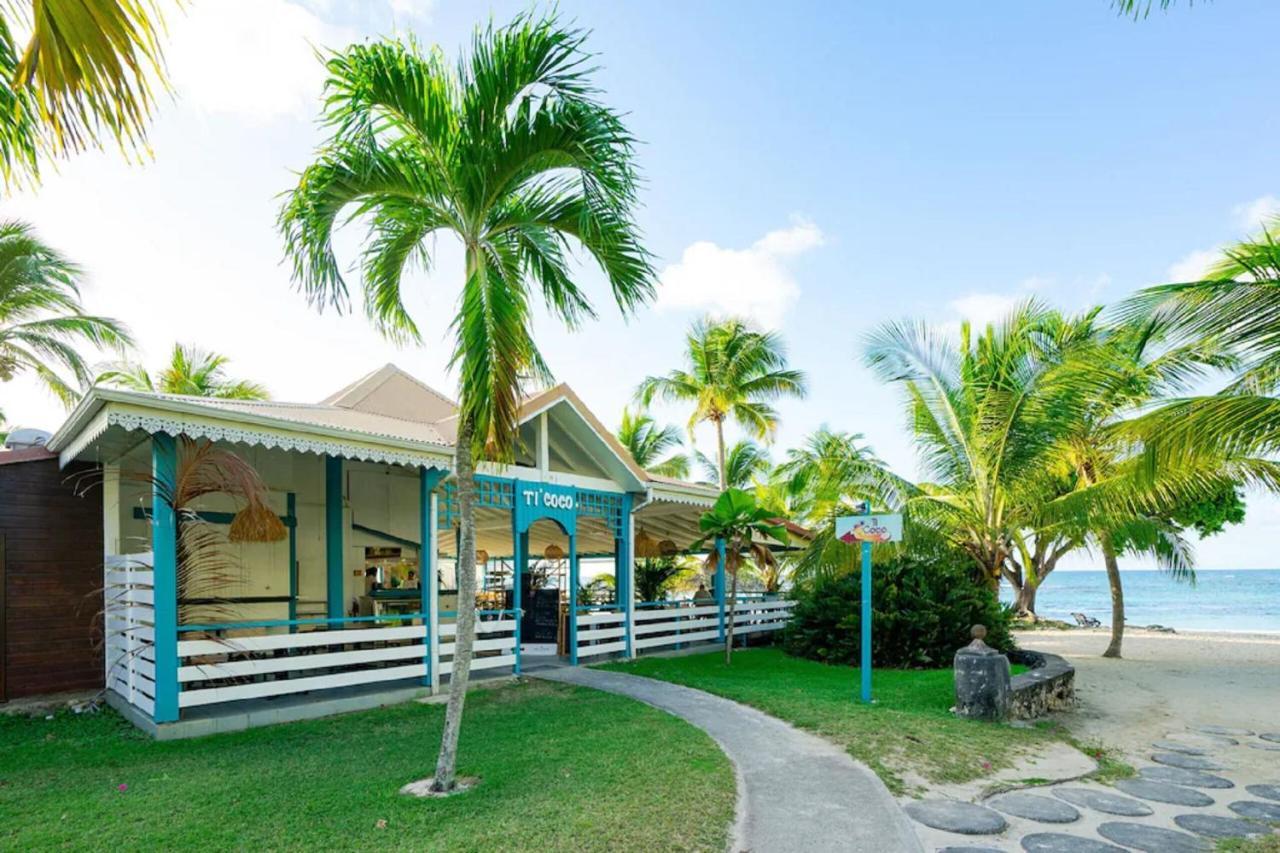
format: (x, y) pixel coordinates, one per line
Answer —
(122, 787)
(986, 765)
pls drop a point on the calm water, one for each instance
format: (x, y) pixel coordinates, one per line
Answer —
(1220, 600)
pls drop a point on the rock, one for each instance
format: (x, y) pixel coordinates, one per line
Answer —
(1201, 738)
(1213, 826)
(1254, 810)
(1162, 792)
(1174, 746)
(1034, 807)
(1058, 842)
(1104, 801)
(1152, 839)
(1222, 731)
(982, 680)
(1270, 747)
(1267, 791)
(1190, 778)
(1274, 737)
(954, 816)
(1186, 762)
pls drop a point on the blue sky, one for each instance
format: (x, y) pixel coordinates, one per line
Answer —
(823, 167)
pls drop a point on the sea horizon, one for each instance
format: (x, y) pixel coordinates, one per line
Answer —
(1237, 601)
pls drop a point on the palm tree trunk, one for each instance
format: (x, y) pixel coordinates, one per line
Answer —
(731, 565)
(1027, 600)
(446, 763)
(720, 450)
(1117, 598)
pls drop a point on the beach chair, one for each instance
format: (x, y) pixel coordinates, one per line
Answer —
(1086, 621)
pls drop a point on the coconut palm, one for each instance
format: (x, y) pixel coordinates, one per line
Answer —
(80, 72)
(191, 371)
(744, 462)
(511, 152)
(733, 372)
(41, 318)
(648, 443)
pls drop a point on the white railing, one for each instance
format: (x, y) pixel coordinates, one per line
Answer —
(675, 625)
(752, 617)
(129, 629)
(601, 632)
(495, 643)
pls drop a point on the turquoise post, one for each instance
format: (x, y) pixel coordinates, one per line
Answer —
(622, 576)
(164, 550)
(866, 622)
(520, 545)
(720, 584)
(427, 480)
(335, 606)
(573, 600)
(291, 510)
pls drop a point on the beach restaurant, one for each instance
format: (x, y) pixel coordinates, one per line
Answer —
(329, 585)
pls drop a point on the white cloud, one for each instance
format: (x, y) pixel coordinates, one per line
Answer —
(1252, 215)
(418, 10)
(1194, 266)
(752, 282)
(254, 59)
(983, 308)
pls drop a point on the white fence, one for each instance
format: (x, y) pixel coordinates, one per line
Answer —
(129, 629)
(753, 617)
(495, 645)
(602, 632)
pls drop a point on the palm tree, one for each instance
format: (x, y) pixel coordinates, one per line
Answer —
(191, 371)
(745, 527)
(511, 152)
(84, 70)
(41, 318)
(648, 443)
(732, 371)
(744, 462)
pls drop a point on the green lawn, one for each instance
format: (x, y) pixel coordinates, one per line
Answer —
(909, 731)
(561, 769)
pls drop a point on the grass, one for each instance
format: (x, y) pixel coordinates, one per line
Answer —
(910, 731)
(561, 769)
(1267, 844)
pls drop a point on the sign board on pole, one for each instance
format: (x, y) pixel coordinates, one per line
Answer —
(867, 530)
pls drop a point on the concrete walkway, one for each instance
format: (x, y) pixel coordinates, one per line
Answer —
(796, 792)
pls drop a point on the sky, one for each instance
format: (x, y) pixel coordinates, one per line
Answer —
(821, 168)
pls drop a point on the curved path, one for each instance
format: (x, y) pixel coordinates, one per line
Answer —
(796, 792)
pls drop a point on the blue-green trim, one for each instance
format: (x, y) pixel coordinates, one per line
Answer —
(573, 600)
(164, 548)
(428, 479)
(866, 623)
(291, 509)
(335, 604)
(721, 564)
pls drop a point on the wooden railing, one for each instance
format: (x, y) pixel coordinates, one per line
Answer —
(129, 629)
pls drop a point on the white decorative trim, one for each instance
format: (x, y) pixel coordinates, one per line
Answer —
(86, 437)
(657, 494)
(176, 426)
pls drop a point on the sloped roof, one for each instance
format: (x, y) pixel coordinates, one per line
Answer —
(392, 392)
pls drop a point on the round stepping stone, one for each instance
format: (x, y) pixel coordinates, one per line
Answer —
(1274, 737)
(1213, 826)
(1152, 839)
(1254, 810)
(969, 850)
(1202, 739)
(1034, 807)
(1267, 792)
(953, 816)
(1059, 842)
(1174, 746)
(1186, 762)
(1190, 778)
(1270, 747)
(1104, 801)
(1163, 792)
(1222, 731)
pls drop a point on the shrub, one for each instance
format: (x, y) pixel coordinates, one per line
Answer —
(922, 611)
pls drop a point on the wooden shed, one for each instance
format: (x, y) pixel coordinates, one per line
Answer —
(50, 575)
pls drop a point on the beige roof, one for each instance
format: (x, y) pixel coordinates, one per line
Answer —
(392, 392)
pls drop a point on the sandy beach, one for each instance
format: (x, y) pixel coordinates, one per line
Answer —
(1166, 682)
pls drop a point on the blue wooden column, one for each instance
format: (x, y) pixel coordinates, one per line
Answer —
(573, 599)
(720, 582)
(428, 577)
(164, 550)
(520, 563)
(291, 510)
(335, 603)
(623, 571)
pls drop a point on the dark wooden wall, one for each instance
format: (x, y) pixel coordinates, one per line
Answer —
(52, 567)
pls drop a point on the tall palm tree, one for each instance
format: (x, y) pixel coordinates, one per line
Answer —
(41, 318)
(81, 71)
(511, 152)
(648, 443)
(732, 372)
(191, 371)
(744, 462)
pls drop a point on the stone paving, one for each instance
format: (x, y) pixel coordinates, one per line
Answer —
(1183, 801)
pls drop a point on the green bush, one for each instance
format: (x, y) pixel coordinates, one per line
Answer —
(922, 613)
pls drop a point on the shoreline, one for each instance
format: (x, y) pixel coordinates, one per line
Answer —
(1258, 634)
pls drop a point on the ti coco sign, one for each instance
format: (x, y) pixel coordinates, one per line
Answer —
(545, 498)
(876, 529)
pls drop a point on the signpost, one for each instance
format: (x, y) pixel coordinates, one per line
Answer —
(868, 529)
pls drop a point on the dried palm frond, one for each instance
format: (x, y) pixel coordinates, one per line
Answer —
(257, 523)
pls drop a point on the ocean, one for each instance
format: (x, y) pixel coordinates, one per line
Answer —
(1225, 600)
